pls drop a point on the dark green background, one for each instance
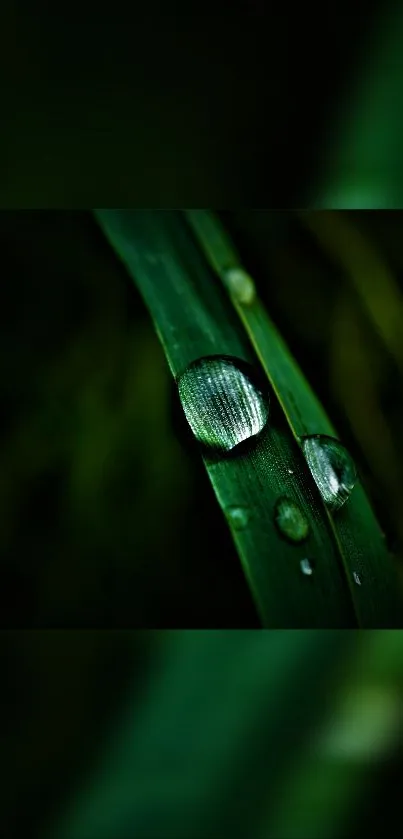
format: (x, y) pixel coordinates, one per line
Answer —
(179, 104)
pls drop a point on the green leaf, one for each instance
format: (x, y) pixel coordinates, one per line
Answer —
(194, 318)
(369, 568)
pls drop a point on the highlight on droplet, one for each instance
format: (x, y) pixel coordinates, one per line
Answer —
(222, 400)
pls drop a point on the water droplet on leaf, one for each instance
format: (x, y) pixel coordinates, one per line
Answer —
(240, 285)
(332, 468)
(223, 403)
(238, 516)
(306, 567)
(290, 520)
(357, 578)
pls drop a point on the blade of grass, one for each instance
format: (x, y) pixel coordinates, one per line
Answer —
(305, 415)
(194, 318)
(370, 571)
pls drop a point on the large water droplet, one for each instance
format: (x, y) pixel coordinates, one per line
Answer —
(332, 468)
(290, 520)
(223, 403)
(240, 285)
(238, 516)
(306, 567)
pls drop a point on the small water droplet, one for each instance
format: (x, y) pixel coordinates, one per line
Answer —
(357, 578)
(222, 401)
(240, 285)
(290, 471)
(238, 516)
(332, 468)
(306, 567)
(290, 520)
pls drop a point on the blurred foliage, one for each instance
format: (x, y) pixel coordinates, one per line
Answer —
(100, 492)
(364, 166)
(283, 735)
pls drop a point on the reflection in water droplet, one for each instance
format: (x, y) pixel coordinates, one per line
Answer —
(332, 468)
(290, 520)
(357, 578)
(238, 516)
(222, 402)
(240, 285)
(306, 567)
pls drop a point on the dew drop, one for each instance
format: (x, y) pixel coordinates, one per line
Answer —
(222, 401)
(332, 468)
(357, 578)
(240, 285)
(306, 567)
(238, 516)
(290, 520)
